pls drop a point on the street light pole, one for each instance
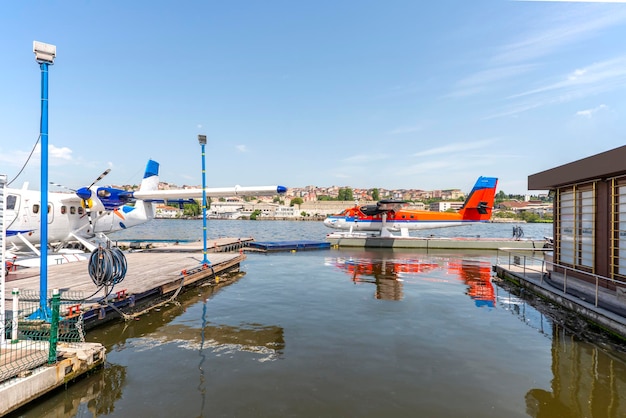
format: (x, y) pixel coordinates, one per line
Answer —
(44, 54)
(202, 141)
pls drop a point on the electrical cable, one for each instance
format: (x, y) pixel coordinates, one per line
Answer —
(27, 160)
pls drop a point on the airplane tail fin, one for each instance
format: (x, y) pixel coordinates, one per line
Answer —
(150, 182)
(479, 204)
(151, 177)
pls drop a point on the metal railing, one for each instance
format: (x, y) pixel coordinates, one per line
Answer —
(520, 261)
(28, 342)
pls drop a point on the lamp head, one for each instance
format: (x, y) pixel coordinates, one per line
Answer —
(44, 52)
(202, 139)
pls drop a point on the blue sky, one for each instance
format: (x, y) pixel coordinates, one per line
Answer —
(395, 94)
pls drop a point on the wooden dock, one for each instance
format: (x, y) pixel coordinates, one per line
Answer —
(154, 275)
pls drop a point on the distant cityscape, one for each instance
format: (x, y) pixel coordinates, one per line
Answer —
(318, 202)
(315, 193)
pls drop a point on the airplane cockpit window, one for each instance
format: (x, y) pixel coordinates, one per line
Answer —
(11, 202)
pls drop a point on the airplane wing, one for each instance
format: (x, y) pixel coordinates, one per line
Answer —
(210, 192)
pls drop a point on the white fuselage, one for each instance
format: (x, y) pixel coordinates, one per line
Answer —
(66, 218)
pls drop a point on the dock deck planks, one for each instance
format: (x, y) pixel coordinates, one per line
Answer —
(151, 275)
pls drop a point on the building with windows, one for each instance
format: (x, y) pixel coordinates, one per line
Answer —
(589, 212)
(444, 206)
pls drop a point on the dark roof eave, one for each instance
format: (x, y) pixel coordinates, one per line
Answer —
(603, 165)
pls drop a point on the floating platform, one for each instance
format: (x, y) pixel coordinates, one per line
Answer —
(430, 243)
(271, 246)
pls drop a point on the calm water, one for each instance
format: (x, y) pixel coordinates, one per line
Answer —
(338, 333)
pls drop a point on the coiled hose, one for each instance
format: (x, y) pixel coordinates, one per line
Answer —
(107, 266)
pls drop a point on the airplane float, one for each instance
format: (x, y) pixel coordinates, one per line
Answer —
(388, 216)
(88, 214)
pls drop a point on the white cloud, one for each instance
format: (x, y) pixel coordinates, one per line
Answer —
(242, 148)
(571, 26)
(455, 148)
(56, 153)
(365, 158)
(477, 82)
(588, 113)
(595, 78)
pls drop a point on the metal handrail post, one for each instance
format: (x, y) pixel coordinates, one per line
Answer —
(16, 312)
(54, 327)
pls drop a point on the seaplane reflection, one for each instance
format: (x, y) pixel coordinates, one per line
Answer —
(476, 274)
(388, 274)
(384, 273)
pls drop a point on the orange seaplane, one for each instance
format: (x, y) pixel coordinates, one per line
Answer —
(388, 216)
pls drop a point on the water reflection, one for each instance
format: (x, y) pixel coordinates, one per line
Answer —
(94, 395)
(161, 326)
(384, 273)
(421, 355)
(202, 384)
(476, 274)
(388, 274)
(588, 380)
(175, 323)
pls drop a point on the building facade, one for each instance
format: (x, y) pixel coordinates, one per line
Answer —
(589, 212)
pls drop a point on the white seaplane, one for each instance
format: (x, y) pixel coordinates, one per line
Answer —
(85, 216)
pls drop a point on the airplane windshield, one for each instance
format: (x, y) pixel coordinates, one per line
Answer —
(11, 202)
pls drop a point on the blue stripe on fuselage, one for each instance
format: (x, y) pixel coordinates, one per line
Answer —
(14, 233)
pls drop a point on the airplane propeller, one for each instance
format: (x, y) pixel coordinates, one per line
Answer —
(85, 194)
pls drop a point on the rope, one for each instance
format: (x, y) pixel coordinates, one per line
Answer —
(170, 299)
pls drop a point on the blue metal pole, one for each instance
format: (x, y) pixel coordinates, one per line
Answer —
(43, 227)
(205, 260)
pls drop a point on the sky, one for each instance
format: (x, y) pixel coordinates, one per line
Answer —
(362, 94)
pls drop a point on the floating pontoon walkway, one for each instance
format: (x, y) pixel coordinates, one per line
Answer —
(271, 246)
(430, 243)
